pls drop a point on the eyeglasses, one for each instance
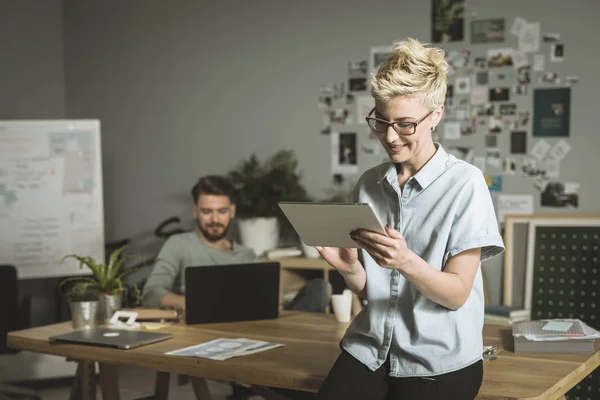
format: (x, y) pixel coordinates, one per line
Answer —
(404, 128)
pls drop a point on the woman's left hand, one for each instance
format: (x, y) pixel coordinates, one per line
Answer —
(388, 251)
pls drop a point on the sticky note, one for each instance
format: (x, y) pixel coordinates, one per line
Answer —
(557, 326)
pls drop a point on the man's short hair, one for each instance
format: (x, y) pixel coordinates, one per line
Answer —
(213, 184)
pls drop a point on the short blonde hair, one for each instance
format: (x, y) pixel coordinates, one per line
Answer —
(412, 70)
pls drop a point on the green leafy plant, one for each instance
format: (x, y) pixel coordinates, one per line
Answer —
(260, 187)
(106, 278)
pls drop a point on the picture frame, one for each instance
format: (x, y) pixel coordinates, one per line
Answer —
(559, 222)
(516, 241)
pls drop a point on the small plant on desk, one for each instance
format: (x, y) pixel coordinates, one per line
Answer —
(106, 283)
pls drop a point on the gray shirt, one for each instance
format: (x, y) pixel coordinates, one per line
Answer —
(445, 209)
(185, 250)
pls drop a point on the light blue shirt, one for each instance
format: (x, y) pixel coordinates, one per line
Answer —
(446, 208)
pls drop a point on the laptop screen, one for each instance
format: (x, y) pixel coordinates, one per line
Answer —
(232, 292)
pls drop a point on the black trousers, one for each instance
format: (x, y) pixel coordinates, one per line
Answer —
(349, 379)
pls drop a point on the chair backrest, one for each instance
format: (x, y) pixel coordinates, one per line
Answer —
(9, 305)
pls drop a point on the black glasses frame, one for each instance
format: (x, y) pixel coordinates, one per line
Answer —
(394, 123)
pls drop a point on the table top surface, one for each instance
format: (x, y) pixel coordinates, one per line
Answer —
(311, 346)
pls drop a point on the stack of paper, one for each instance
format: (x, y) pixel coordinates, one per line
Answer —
(223, 349)
(505, 315)
(554, 336)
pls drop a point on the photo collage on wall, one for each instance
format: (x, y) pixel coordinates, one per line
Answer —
(503, 96)
(506, 111)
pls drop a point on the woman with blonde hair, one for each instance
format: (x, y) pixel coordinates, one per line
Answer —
(420, 335)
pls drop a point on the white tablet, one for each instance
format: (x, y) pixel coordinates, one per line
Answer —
(330, 224)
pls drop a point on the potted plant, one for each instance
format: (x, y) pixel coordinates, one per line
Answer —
(259, 189)
(106, 284)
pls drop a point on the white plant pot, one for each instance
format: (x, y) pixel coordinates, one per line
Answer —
(260, 234)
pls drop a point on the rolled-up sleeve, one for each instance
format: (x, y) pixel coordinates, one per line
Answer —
(475, 224)
(161, 279)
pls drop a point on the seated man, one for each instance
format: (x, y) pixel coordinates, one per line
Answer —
(213, 210)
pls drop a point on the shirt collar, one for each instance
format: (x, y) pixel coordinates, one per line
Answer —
(426, 174)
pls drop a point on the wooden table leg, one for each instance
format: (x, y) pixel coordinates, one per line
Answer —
(201, 388)
(109, 381)
(161, 386)
(76, 388)
(84, 383)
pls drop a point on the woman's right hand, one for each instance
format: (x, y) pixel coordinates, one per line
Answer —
(343, 260)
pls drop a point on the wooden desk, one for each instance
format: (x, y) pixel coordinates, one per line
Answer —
(311, 347)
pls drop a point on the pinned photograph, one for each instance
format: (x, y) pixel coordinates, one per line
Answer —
(480, 62)
(529, 168)
(459, 60)
(551, 37)
(529, 38)
(339, 116)
(452, 130)
(482, 78)
(540, 149)
(491, 141)
(462, 85)
(520, 60)
(539, 62)
(496, 124)
(552, 168)
(447, 21)
(524, 118)
(500, 58)
(344, 154)
(479, 95)
(499, 94)
(494, 182)
(524, 75)
(487, 31)
(485, 110)
(557, 52)
(550, 78)
(560, 194)
(357, 84)
(518, 142)
(358, 68)
(517, 26)
(364, 105)
(510, 166)
(520, 90)
(571, 79)
(379, 55)
(560, 150)
(508, 109)
(325, 96)
(551, 112)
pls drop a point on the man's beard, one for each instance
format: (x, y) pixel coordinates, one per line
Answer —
(209, 236)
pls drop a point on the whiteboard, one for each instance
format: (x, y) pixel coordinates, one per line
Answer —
(51, 200)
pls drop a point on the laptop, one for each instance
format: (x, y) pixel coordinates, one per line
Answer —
(232, 292)
(115, 338)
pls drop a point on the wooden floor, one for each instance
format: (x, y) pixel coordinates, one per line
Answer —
(135, 383)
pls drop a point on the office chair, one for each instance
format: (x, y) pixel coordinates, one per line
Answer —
(10, 321)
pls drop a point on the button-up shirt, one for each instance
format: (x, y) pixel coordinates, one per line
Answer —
(444, 209)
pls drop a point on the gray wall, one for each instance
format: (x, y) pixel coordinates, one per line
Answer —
(188, 88)
(32, 84)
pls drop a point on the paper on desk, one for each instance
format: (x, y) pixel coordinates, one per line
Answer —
(588, 332)
(223, 349)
